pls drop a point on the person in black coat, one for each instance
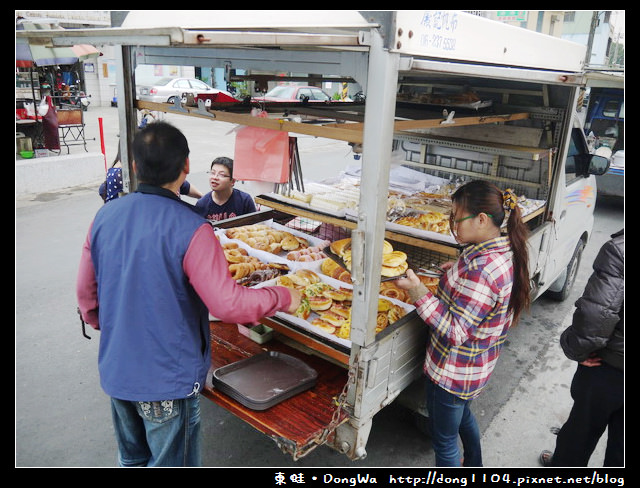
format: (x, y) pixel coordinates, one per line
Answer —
(595, 339)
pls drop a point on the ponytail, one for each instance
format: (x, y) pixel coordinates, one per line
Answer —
(518, 234)
(483, 197)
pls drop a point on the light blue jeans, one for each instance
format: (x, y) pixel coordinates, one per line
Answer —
(451, 417)
(165, 433)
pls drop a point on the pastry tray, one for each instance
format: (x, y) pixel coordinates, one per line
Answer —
(264, 380)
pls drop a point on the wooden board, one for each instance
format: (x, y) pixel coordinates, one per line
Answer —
(295, 423)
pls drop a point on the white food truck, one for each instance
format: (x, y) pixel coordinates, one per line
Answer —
(449, 97)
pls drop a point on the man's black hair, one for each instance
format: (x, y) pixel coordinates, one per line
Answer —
(160, 152)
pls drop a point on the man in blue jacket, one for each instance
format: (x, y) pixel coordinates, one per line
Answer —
(151, 271)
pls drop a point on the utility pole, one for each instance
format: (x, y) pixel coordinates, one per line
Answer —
(592, 31)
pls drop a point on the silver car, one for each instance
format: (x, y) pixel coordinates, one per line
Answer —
(166, 90)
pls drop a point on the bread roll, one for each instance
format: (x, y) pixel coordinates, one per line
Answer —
(319, 303)
(390, 272)
(304, 310)
(394, 258)
(340, 246)
(323, 325)
(333, 318)
(334, 294)
(340, 309)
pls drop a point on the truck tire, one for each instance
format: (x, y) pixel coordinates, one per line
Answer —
(422, 423)
(570, 278)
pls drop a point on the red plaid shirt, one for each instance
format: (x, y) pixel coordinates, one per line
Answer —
(468, 318)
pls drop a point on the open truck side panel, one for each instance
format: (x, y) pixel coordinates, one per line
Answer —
(525, 139)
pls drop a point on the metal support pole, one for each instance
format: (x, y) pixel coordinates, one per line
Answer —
(127, 116)
(367, 238)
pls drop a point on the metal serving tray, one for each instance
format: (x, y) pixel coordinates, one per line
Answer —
(264, 380)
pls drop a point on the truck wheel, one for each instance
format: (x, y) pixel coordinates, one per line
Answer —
(572, 272)
(422, 423)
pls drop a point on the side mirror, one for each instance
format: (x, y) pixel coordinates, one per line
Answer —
(598, 165)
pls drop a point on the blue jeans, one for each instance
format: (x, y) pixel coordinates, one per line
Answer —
(165, 433)
(451, 417)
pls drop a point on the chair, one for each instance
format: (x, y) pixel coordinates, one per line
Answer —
(71, 128)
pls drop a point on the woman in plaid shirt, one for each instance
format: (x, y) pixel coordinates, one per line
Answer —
(478, 298)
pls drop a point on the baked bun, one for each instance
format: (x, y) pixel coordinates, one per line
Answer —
(341, 309)
(394, 258)
(308, 275)
(304, 310)
(384, 305)
(386, 247)
(319, 302)
(333, 318)
(390, 272)
(285, 280)
(316, 289)
(330, 268)
(334, 294)
(304, 277)
(289, 243)
(340, 246)
(323, 325)
(348, 292)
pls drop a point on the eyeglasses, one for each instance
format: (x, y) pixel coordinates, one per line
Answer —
(457, 221)
(219, 175)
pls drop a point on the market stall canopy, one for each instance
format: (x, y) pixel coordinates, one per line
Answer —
(29, 55)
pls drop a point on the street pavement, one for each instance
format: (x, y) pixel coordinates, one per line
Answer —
(62, 415)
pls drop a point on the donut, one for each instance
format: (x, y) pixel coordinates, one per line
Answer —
(235, 255)
(240, 270)
(382, 320)
(431, 282)
(230, 245)
(319, 303)
(390, 290)
(396, 312)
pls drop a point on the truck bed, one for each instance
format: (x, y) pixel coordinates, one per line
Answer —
(294, 424)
